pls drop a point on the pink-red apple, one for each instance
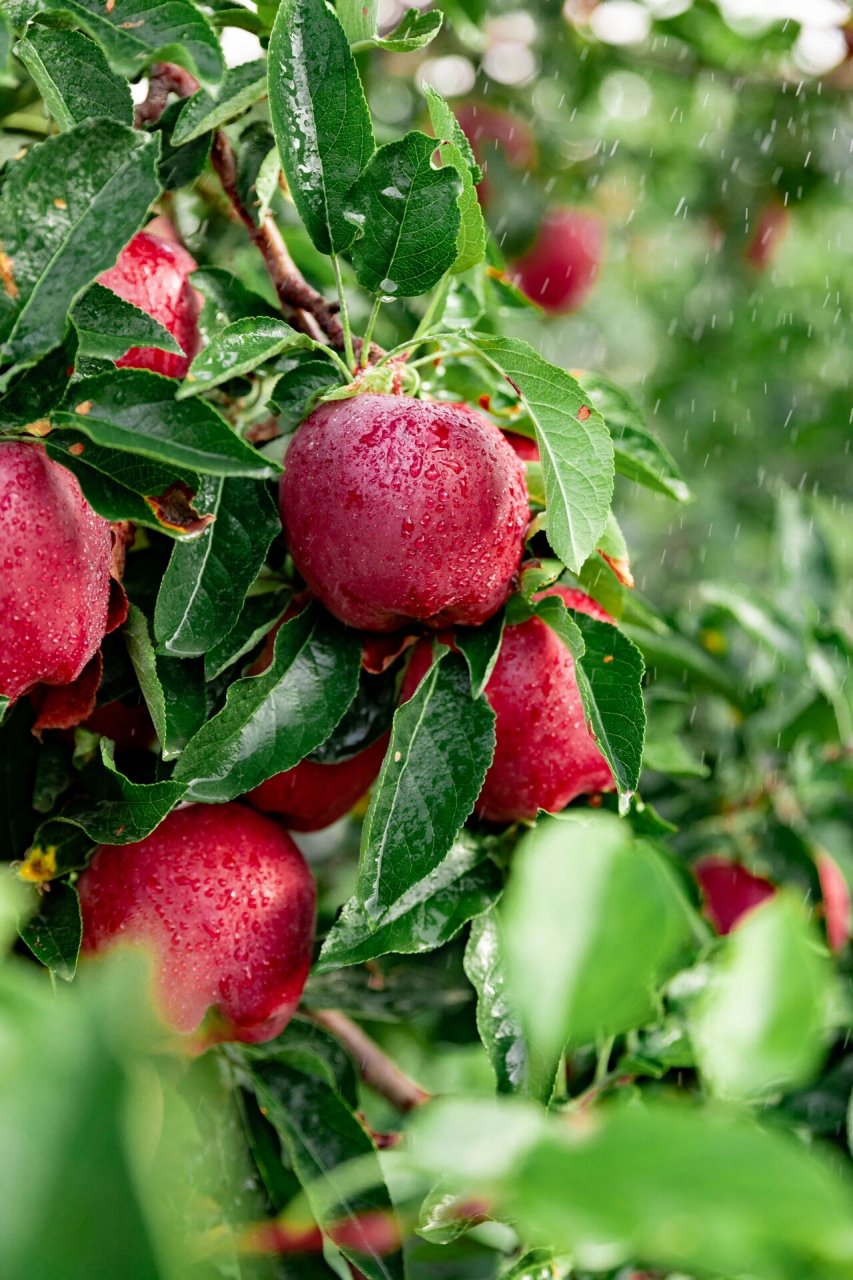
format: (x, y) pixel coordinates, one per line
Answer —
(766, 240)
(223, 901)
(545, 756)
(399, 510)
(560, 268)
(55, 554)
(153, 273)
(312, 795)
(729, 890)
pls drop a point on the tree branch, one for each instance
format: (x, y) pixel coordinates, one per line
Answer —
(377, 1070)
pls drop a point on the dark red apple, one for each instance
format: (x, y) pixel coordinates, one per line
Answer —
(561, 267)
(765, 241)
(153, 273)
(55, 555)
(224, 902)
(399, 510)
(525, 448)
(729, 890)
(312, 795)
(545, 756)
(489, 129)
(129, 727)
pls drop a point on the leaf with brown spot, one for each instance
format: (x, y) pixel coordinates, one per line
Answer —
(173, 508)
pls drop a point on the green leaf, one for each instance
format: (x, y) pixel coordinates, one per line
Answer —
(122, 486)
(745, 1200)
(322, 1136)
(116, 810)
(108, 327)
(175, 701)
(241, 87)
(359, 18)
(447, 127)
(480, 647)
(311, 1049)
(595, 922)
(639, 456)
(239, 349)
(272, 721)
(576, 451)
(136, 411)
(134, 33)
(433, 912)
(442, 743)
(55, 931)
(497, 1020)
(759, 1027)
(408, 216)
(179, 164)
(73, 77)
(319, 116)
(206, 581)
(296, 388)
(256, 619)
(86, 213)
(226, 299)
(414, 31)
(609, 676)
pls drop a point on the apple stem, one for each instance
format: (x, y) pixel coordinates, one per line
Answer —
(368, 333)
(375, 1067)
(349, 354)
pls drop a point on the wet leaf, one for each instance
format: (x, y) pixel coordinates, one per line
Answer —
(74, 77)
(408, 216)
(107, 326)
(116, 810)
(54, 932)
(241, 87)
(320, 118)
(442, 742)
(239, 349)
(272, 721)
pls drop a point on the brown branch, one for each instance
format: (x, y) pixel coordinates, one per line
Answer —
(377, 1070)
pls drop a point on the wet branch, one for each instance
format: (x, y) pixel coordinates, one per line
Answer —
(376, 1068)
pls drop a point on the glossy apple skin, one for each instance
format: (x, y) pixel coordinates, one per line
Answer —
(729, 890)
(545, 756)
(561, 267)
(225, 904)
(313, 795)
(523, 446)
(153, 274)
(398, 510)
(55, 555)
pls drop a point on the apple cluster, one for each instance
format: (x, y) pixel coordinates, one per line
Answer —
(401, 516)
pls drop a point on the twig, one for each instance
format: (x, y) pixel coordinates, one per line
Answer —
(377, 1070)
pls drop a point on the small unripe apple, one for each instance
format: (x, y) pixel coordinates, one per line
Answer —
(560, 268)
(729, 890)
(399, 510)
(545, 756)
(153, 274)
(223, 901)
(312, 795)
(55, 555)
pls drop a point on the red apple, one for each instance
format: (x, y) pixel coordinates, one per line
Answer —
(525, 448)
(561, 267)
(545, 756)
(129, 727)
(729, 890)
(224, 902)
(55, 585)
(153, 273)
(313, 795)
(488, 129)
(765, 241)
(397, 509)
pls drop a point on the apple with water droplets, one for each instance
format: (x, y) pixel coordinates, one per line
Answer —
(398, 510)
(545, 755)
(55, 554)
(152, 273)
(223, 902)
(561, 267)
(314, 794)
